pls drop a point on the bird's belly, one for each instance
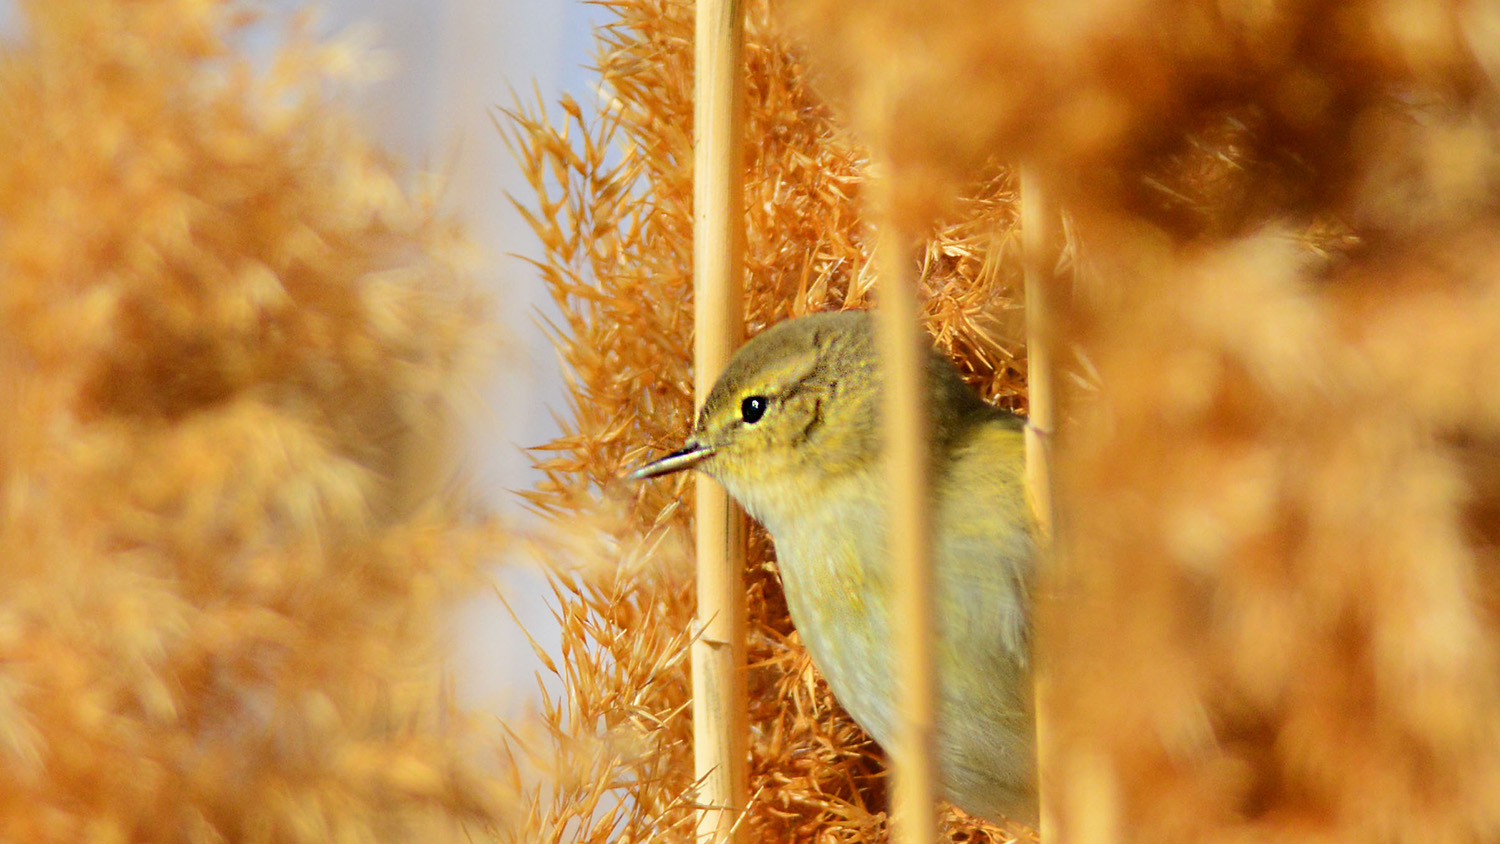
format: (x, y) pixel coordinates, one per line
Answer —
(842, 612)
(846, 632)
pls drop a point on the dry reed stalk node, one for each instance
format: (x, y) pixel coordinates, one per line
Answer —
(1276, 615)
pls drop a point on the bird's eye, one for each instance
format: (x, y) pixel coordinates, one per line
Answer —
(752, 409)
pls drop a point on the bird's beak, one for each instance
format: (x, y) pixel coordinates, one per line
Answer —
(686, 457)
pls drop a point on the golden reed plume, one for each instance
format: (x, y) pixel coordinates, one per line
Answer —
(228, 334)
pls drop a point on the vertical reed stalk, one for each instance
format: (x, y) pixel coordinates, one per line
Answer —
(720, 709)
(906, 425)
(1036, 239)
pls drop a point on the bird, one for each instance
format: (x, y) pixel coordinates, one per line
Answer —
(791, 430)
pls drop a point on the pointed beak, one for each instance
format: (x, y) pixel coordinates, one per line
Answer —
(686, 457)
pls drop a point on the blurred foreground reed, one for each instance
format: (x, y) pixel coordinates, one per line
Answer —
(228, 339)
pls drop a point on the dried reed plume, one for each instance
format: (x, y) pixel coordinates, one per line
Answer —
(227, 337)
(612, 211)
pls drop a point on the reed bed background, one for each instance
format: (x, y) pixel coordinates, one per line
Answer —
(230, 336)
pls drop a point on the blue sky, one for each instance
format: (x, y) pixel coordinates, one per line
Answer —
(451, 62)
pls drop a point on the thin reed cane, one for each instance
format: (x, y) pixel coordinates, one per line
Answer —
(1036, 241)
(904, 412)
(720, 709)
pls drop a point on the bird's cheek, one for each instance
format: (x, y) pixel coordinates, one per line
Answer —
(732, 484)
(762, 463)
(726, 468)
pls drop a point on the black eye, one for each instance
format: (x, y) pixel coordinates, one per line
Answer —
(752, 409)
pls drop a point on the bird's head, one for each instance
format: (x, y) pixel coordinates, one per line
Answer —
(795, 408)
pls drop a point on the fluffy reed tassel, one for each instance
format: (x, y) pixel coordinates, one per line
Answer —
(612, 210)
(1275, 617)
(227, 335)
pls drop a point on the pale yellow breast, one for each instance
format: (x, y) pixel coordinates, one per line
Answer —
(831, 551)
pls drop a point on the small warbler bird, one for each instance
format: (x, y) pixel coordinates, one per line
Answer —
(792, 432)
